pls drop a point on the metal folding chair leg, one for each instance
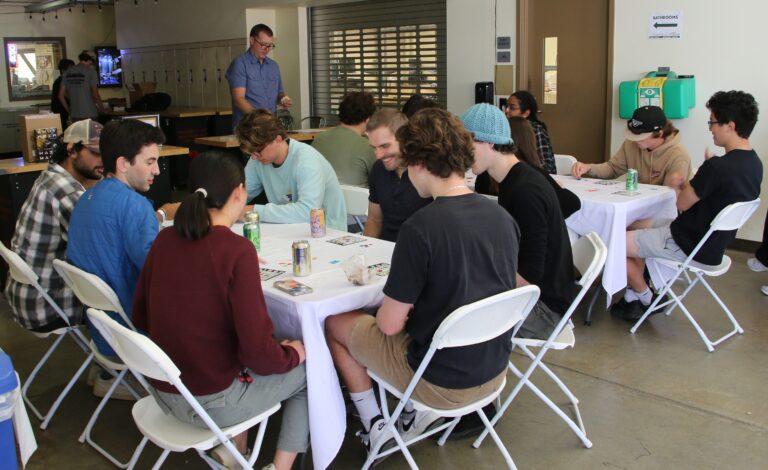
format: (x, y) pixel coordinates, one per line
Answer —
(46, 418)
(86, 435)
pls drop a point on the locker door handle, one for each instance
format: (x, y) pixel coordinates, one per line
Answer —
(218, 75)
(191, 77)
(205, 75)
(166, 76)
(178, 75)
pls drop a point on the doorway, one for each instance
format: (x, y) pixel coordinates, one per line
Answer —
(564, 60)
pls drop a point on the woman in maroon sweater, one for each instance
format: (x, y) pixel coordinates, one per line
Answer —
(199, 298)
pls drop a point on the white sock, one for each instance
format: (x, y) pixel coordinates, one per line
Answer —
(366, 405)
(630, 295)
(645, 296)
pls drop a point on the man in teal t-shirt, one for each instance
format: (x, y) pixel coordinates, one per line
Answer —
(294, 176)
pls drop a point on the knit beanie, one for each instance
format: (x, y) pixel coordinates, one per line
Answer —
(488, 123)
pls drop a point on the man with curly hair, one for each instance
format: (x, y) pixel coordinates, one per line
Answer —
(295, 177)
(719, 182)
(459, 249)
(344, 146)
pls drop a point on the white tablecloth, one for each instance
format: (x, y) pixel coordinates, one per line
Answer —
(303, 317)
(605, 210)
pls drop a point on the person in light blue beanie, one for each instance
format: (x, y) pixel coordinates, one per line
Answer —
(545, 257)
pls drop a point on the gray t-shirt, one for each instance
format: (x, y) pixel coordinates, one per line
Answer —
(77, 83)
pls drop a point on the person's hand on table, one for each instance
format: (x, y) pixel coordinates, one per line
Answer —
(579, 169)
(298, 346)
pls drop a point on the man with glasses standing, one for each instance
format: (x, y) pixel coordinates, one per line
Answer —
(254, 79)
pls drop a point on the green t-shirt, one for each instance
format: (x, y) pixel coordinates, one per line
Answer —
(349, 154)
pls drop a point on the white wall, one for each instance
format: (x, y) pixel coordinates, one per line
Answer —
(472, 27)
(81, 31)
(720, 45)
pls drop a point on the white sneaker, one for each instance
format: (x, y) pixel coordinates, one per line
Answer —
(377, 433)
(764, 289)
(756, 266)
(419, 423)
(101, 386)
(225, 458)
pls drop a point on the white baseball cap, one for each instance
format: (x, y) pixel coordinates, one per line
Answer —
(86, 132)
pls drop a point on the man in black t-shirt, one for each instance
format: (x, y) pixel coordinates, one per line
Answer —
(719, 182)
(392, 197)
(545, 249)
(459, 249)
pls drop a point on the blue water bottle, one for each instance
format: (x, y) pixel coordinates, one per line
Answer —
(8, 384)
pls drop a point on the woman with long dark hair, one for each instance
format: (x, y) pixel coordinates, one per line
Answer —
(199, 298)
(523, 103)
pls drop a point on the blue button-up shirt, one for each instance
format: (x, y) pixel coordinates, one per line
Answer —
(261, 80)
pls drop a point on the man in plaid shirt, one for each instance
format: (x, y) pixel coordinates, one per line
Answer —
(41, 229)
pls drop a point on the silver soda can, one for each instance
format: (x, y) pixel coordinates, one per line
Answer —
(252, 229)
(302, 258)
(317, 222)
(631, 179)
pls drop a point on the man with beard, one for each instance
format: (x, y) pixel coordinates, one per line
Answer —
(392, 199)
(43, 223)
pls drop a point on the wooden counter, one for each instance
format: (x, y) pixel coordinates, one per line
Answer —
(171, 150)
(11, 166)
(230, 141)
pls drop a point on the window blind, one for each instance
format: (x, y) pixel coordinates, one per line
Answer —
(391, 49)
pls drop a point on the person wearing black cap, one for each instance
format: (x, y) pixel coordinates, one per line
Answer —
(652, 147)
(79, 83)
(719, 182)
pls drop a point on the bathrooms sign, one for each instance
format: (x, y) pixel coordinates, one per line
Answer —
(666, 25)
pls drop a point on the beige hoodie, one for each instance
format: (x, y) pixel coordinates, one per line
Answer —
(653, 166)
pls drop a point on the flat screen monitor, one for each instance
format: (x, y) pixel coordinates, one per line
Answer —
(151, 119)
(110, 67)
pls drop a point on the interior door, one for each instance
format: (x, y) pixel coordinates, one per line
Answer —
(563, 61)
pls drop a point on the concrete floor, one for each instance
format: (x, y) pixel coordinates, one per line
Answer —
(655, 400)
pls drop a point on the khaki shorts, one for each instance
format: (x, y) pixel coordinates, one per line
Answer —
(386, 357)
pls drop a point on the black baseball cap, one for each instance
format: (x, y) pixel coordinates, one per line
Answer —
(644, 122)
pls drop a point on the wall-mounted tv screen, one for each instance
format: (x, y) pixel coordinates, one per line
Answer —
(110, 67)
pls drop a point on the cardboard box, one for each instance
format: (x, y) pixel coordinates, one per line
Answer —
(28, 123)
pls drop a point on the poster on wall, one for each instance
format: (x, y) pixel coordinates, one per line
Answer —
(665, 25)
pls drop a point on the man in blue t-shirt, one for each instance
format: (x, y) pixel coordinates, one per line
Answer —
(719, 182)
(392, 198)
(112, 225)
(254, 79)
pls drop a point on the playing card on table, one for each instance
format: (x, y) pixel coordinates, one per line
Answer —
(347, 240)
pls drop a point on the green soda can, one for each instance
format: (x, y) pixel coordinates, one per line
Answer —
(631, 179)
(252, 229)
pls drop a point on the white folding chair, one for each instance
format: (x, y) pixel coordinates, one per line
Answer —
(731, 217)
(589, 255)
(471, 324)
(356, 199)
(564, 163)
(145, 358)
(94, 292)
(22, 273)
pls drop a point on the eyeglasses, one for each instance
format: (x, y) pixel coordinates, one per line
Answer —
(265, 46)
(510, 107)
(712, 123)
